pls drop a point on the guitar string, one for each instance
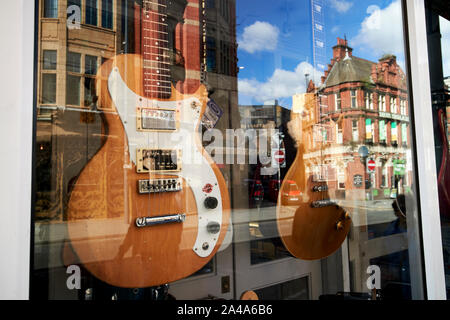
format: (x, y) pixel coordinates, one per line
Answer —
(151, 18)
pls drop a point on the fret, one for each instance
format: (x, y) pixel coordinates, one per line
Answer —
(158, 90)
(157, 23)
(155, 47)
(155, 3)
(154, 64)
(151, 30)
(155, 50)
(159, 75)
(159, 72)
(158, 55)
(157, 80)
(163, 62)
(155, 39)
(162, 69)
(148, 13)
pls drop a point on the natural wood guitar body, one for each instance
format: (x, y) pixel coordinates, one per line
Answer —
(308, 232)
(104, 203)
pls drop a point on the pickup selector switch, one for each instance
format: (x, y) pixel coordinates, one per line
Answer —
(210, 202)
(213, 227)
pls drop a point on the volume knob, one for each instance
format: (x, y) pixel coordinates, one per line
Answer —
(210, 202)
(213, 227)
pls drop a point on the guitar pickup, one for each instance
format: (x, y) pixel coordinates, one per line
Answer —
(320, 188)
(153, 119)
(323, 203)
(158, 160)
(159, 185)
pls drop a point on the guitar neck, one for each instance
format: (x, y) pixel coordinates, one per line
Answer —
(155, 49)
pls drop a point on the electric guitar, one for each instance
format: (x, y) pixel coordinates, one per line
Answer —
(151, 206)
(310, 225)
(444, 170)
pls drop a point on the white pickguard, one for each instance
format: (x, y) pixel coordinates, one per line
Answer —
(195, 168)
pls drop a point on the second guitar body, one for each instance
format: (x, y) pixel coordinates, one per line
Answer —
(310, 224)
(150, 207)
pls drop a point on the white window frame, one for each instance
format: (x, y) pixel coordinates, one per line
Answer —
(385, 174)
(355, 133)
(403, 107)
(339, 135)
(393, 104)
(338, 101)
(353, 98)
(340, 177)
(426, 163)
(382, 102)
(368, 100)
(17, 22)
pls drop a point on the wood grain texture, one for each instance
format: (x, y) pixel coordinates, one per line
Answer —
(104, 205)
(307, 233)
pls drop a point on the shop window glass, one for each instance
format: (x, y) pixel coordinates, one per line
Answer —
(224, 152)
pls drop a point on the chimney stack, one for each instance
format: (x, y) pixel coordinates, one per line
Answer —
(339, 50)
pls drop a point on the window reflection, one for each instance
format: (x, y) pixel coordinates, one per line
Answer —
(323, 112)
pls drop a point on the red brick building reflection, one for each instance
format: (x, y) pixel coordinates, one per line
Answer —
(362, 104)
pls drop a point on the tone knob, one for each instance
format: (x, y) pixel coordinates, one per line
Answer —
(213, 227)
(211, 202)
(340, 225)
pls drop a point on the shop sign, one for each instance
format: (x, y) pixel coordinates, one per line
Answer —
(371, 165)
(393, 116)
(399, 166)
(358, 180)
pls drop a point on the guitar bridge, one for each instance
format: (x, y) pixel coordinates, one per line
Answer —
(158, 160)
(320, 188)
(152, 221)
(159, 185)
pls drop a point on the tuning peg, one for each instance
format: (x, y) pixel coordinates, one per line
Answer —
(340, 225)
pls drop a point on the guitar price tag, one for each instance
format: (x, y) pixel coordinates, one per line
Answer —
(212, 114)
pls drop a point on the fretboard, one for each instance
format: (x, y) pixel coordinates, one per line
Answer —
(155, 49)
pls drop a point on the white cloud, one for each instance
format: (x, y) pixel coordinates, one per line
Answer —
(445, 45)
(282, 83)
(381, 32)
(335, 29)
(260, 36)
(341, 6)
